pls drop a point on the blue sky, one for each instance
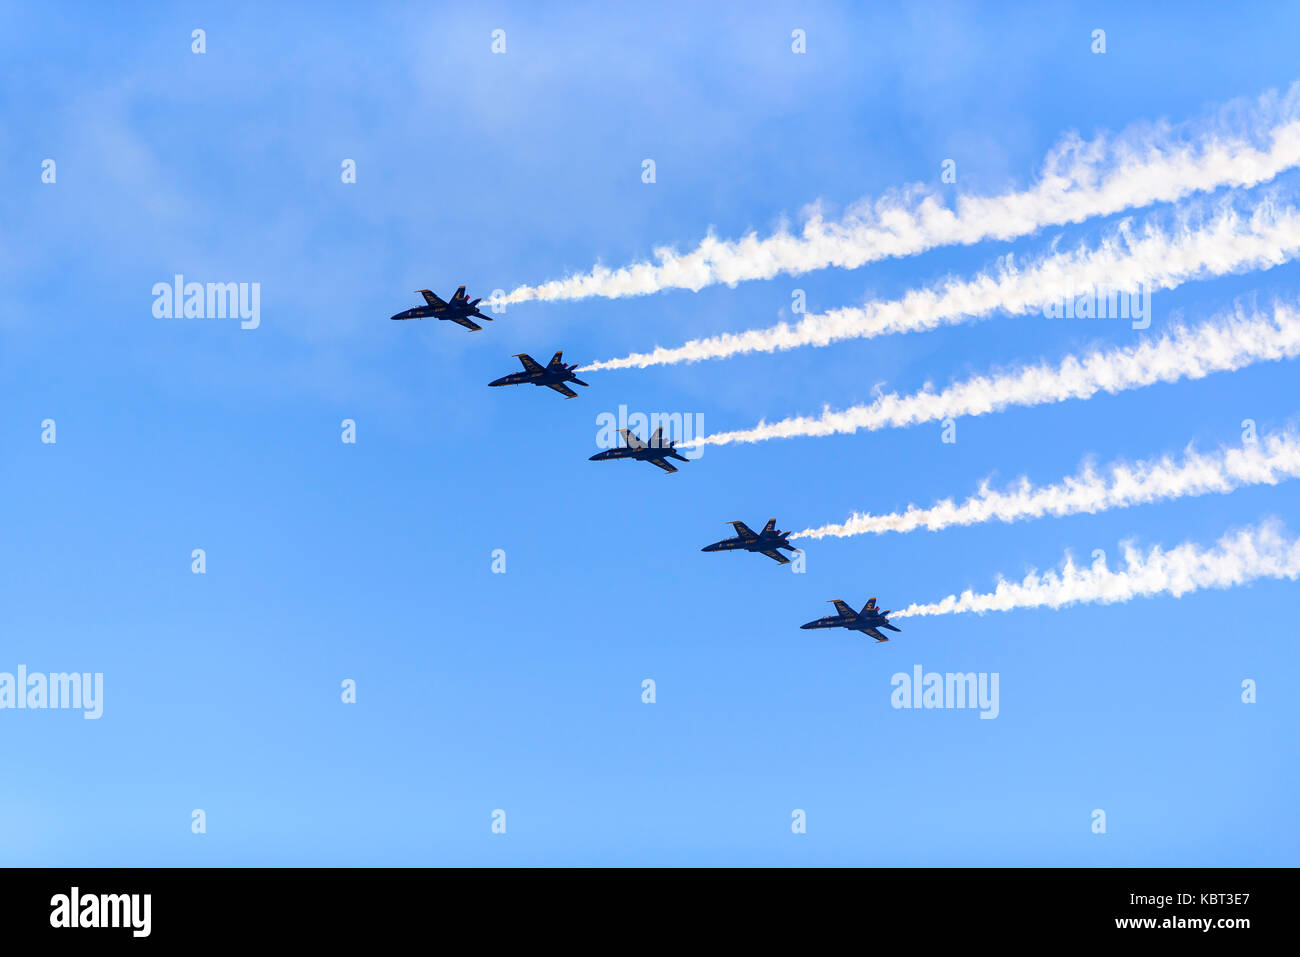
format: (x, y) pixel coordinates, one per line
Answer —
(522, 691)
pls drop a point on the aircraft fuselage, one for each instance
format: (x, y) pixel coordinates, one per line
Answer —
(536, 378)
(433, 312)
(858, 623)
(641, 455)
(760, 544)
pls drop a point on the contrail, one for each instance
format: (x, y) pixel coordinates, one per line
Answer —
(1267, 461)
(1183, 353)
(1142, 261)
(1262, 551)
(1145, 164)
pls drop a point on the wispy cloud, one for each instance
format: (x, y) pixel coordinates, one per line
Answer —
(1080, 180)
(1243, 556)
(1154, 257)
(1221, 345)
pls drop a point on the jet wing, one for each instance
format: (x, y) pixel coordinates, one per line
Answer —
(663, 464)
(632, 439)
(744, 531)
(563, 389)
(874, 634)
(844, 610)
(531, 364)
(431, 299)
(776, 556)
(468, 324)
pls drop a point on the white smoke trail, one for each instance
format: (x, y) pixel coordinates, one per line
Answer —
(1152, 259)
(1268, 461)
(1079, 180)
(1262, 551)
(1183, 353)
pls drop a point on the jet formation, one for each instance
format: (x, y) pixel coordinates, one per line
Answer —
(866, 621)
(553, 375)
(765, 542)
(556, 375)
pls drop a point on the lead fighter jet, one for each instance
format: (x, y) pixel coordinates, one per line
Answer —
(765, 542)
(656, 453)
(458, 310)
(866, 621)
(553, 376)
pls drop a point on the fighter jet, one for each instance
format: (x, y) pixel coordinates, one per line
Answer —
(553, 376)
(458, 310)
(866, 621)
(656, 453)
(765, 542)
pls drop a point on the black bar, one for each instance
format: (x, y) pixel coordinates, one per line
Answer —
(332, 906)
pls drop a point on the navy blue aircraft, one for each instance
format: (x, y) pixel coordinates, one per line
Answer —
(765, 542)
(458, 310)
(656, 453)
(866, 621)
(553, 376)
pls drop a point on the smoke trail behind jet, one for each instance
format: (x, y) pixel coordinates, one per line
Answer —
(1129, 261)
(1183, 353)
(1239, 146)
(1240, 557)
(1272, 459)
